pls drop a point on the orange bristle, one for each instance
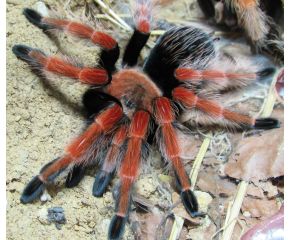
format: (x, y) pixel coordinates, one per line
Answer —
(131, 161)
(58, 66)
(83, 142)
(120, 136)
(185, 96)
(244, 4)
(187, 74)
(55, 167)
(39, 57)
(163, 110)
(109, 117)
(143, 26)
(239, 118)
(184, 74)
(57, 23)
(126, 184)
(114, 150)
(93, 76)
(140, 121)
(164, 115)
(103, 39)
(83, 31)
(103, 122)
(79, 30)
(209, 107)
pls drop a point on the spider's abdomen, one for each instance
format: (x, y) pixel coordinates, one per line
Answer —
(177, 46)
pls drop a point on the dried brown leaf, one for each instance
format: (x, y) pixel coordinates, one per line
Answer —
(254, 191)
(210, 182)
(258, 157)
(260, 208)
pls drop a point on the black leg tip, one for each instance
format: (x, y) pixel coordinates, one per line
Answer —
(101, 182)
(33, 190)
(33, 17)
(117, 228)
(266, 123)
(190, 203)
(21, 51)
(266, 72)
(75, 176)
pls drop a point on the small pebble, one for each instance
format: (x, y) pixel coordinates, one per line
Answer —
(56, 215)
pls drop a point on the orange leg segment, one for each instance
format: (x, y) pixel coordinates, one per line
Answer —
(129, 170)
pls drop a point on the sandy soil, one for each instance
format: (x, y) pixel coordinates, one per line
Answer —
(42, 117)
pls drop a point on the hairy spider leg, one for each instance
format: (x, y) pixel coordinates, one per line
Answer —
(109, 165)
(39, 61)
(94, 101)
(170, 149)
(190, 100)
(110, 49)
(129, 170)
(224, 79)
(104, 122)
(142, 18)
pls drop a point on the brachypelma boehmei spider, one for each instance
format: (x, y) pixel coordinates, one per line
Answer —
(181, 69)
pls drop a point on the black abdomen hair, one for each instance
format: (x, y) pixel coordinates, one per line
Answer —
(176, 46)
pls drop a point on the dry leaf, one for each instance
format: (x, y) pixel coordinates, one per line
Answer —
(254, 191)
(269, 189)
(209, 181)
(258, 157)
(260, 208)
(203, 232)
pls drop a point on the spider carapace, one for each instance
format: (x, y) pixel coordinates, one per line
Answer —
(183, 66)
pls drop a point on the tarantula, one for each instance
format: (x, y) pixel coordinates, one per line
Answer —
(180, 69)
(262, 20)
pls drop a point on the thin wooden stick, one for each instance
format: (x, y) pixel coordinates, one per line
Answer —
(235, 210)
(176, 228)
(108, 10)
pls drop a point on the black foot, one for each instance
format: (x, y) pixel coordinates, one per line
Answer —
(35, 18)
(266, 72)
(266, 123)
(75, 176)
(33, 190)
(117, 227)
(22, 51)
(101, 182)
(190, 203)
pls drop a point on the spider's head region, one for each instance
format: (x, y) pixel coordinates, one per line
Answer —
(134, 89)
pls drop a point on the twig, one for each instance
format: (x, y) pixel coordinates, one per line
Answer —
(235, 210)
(198, 160)
(176, 228)
(107, 17)
(108, 10)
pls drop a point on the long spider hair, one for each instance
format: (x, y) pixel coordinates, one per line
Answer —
(125, 103)
(261, 20)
